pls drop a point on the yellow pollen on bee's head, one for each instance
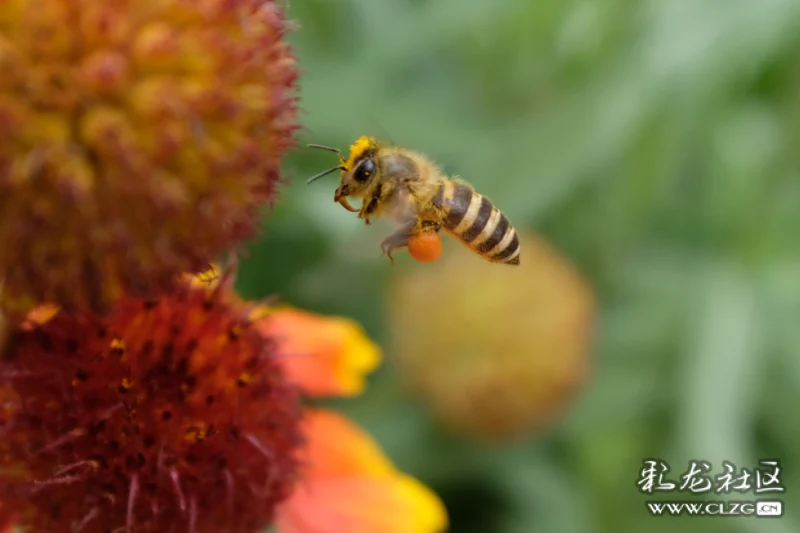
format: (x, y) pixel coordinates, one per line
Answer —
(357, 150)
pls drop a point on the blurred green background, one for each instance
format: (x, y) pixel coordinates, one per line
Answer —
(656, 145)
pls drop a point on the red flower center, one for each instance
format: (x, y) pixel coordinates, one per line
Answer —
(165, 414)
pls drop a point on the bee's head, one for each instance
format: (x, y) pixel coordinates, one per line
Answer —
(357, 171)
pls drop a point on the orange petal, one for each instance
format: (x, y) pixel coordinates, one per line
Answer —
(326, 356)
(351, 486)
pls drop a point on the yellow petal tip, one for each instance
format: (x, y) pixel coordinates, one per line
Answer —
(429, 514)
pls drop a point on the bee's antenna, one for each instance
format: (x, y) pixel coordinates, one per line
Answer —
(322, 174)
(323, 147)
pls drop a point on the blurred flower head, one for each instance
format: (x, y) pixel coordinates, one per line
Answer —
(497, 352)
(140, 139)
(183, 412)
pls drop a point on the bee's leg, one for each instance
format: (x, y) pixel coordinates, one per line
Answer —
(428, 225)
(393, 242)
(362, 214)
(399, 239)
(367, 208)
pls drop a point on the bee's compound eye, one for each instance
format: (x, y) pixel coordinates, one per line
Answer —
(364, 170)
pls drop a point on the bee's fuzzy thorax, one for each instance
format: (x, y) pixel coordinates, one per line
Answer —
(357, 150)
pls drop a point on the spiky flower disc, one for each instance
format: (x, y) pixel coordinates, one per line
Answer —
(139, 139)
(167, 415)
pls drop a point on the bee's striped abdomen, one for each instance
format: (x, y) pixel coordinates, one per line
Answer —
(475, 221)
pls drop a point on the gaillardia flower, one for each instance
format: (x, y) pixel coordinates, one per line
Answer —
(139, 140)
(496, 352)
(167, 413)
(182, 414)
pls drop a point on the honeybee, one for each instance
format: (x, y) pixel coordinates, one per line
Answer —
(409, 188)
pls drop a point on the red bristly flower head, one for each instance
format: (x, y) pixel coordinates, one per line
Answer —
(165, 415)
